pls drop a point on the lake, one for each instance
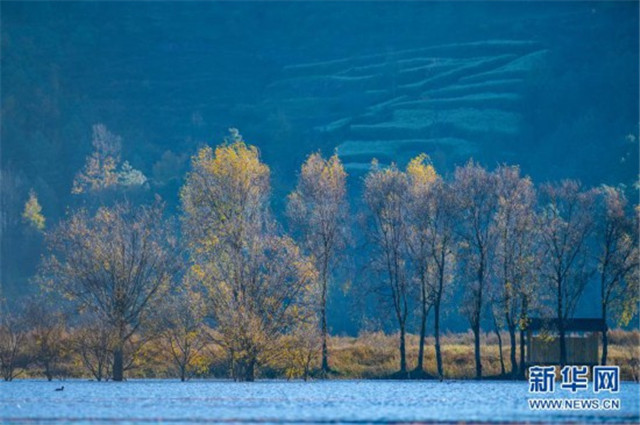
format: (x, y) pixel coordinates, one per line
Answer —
(264, 402)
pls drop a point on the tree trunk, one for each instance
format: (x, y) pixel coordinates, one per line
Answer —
(605, 331)
(233, 365)
(436, 331)
(307, 367)
(48, 373)
(563, 345)
(523, 318)
(605, 343)
(403, 354)
(245, 369)
(476, 319)
(98, 371)
(249, 375)
(514, 348)
(323, 313)
(502, 369)
(118, 361)
(522, 359)
(476, 343)
(423, 329)
(118, 364)
(563, 342)
(605, 336)
(496, 329)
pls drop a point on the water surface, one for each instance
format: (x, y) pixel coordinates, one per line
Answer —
(356, 402)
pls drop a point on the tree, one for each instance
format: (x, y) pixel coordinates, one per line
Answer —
(32, 213)
(93, 342)
(618, 258)
(259, 285)
(386, 196)
(116, 264)
(530, 296)
(565, 224)
(442, 248)
(99, 171)
(475, 191)
(47, 336)
(318, 210)
(422, 179)
(514, 256)
(300, 350)
(129, 177)
(185, 335)
(13, 344)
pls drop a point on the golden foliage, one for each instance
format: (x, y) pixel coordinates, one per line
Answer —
(421, 174)
(258, 284)
(32, 213)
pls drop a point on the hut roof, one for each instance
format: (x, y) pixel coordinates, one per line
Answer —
(570, 325)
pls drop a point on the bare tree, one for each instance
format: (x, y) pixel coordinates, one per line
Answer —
(259, 285)
(530, 296)
(513, 266)
(13, 344)
(93, 342)
(116, 264)
(47, 336)
(422, 178)
(565, 224)
(475, 190)
(386, 196)
(319, 211)
(185, 335)
(442, 247)
(618, 260)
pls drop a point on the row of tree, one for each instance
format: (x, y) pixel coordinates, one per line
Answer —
(489, 240)
(506, 246)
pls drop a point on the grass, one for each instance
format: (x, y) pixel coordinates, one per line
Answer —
(374, 355)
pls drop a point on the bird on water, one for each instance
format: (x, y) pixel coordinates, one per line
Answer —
(60, 389)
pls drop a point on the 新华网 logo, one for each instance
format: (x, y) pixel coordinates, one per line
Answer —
(574, 379)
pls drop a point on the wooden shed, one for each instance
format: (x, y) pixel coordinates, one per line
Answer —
(581, 335)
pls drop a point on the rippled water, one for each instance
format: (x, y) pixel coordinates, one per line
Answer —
(147, 401)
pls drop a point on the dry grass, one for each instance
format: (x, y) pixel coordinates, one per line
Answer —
(376, 355)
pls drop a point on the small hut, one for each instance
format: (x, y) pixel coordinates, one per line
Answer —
(581, 336)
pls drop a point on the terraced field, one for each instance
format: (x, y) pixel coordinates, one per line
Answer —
(444, 100)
